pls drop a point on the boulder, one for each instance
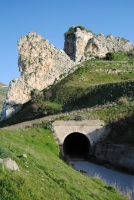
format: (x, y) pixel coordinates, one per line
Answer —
(9, 164)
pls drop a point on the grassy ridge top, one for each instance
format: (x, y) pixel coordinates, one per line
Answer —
(43, 175)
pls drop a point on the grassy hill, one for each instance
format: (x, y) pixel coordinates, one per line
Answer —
(98, 89)
(3, 91)
(43, 175)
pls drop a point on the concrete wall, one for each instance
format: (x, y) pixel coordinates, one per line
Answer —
(116, 155)
(94, 130)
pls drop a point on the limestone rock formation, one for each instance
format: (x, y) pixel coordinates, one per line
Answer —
(40, 65)
(82, 44)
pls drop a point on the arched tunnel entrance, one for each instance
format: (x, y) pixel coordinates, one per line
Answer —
(76, 145)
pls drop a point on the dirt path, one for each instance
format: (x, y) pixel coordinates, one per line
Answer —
(30, 123)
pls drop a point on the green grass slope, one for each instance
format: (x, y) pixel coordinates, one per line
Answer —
(43, 175)
(3, 91)
(98, 89)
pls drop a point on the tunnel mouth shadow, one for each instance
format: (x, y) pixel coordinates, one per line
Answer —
(76, 146)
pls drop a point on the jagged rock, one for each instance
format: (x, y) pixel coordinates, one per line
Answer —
(18, 93)
(10, 164)
(40, 65)
(81, 44)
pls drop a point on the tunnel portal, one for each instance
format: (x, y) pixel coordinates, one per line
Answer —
(76, 145)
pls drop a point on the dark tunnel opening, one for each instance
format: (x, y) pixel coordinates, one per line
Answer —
(76, 145)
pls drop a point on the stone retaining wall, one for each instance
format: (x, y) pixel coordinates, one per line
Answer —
(116, 155)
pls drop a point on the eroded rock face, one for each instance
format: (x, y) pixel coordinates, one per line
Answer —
(40, 65)
(82, 44)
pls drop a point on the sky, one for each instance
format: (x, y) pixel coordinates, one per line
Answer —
(52, 18)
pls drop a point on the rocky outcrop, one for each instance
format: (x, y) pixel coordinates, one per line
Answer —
(40, 64)
(82, 44)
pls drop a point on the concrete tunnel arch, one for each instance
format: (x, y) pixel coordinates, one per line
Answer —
(76, 145)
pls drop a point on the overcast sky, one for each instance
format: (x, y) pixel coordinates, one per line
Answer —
(51, 18)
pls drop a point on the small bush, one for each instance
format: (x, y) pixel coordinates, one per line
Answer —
(4, 153)
(63, 117)
(110, 56)
(46, 125)
(73, 29)
(37, 99)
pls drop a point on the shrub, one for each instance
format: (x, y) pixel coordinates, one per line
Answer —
(110, 56)
(63, 117)
(73, 29)
(34, 93)
(37, 99)
(46, 125)
(4, 153)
